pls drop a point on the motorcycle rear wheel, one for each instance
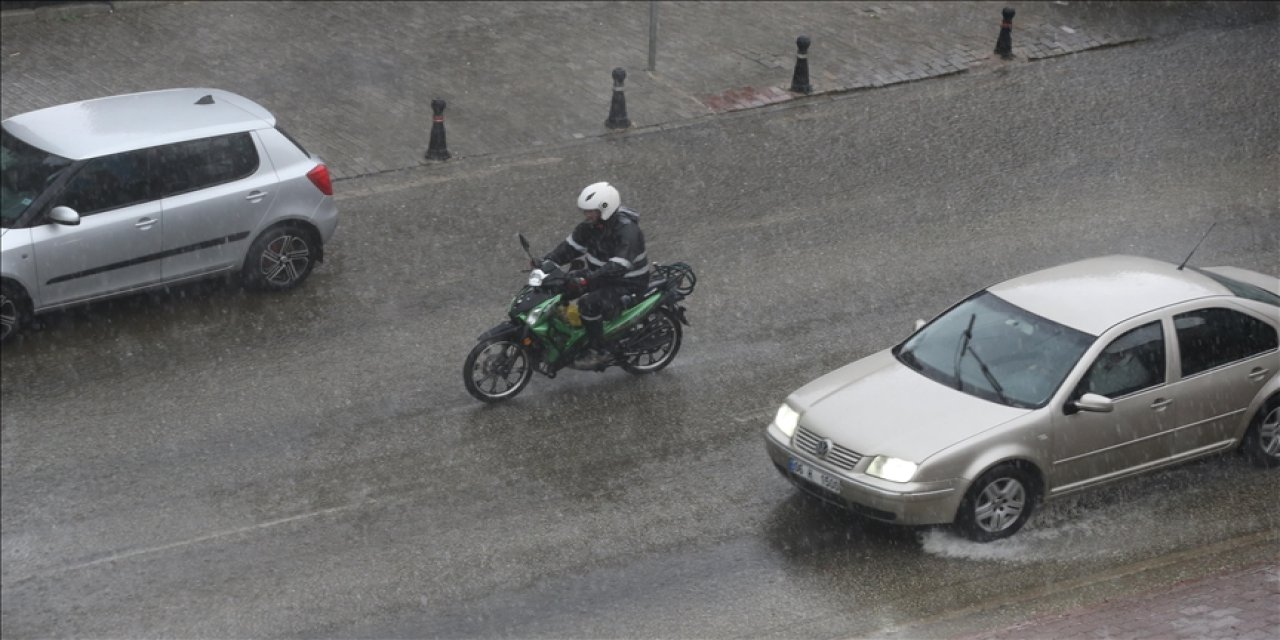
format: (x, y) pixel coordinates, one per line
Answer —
(663, 326)
(497, 369)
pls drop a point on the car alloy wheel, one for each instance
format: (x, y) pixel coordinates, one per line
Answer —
(280, 259)
(285, 260)
(997, 504)
(11, 313)
(1000, 505)
(1262, 440)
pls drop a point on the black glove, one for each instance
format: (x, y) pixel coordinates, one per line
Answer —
(577, 281)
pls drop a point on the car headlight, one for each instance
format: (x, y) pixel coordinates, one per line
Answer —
(891, 469)
(787, 419)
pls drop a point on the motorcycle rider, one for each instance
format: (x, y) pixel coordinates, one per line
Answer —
(610, 240)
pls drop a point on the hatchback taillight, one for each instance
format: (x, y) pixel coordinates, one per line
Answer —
(319, 176)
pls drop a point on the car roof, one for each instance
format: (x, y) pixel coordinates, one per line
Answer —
(1094, 295)
(103, 126)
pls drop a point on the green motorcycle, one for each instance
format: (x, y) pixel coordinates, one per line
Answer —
(545, 334)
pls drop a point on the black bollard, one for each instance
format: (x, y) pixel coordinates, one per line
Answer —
(618, 107)
(1004, 43)
(437, 149)
(800, 79)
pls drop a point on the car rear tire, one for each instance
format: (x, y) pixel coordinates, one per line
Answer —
(997, 504)
(1262, 441)
(14, 311)
(280, 259)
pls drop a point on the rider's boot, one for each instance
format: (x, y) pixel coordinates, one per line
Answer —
(596, 354)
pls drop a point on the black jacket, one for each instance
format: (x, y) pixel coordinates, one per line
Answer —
(613, 249)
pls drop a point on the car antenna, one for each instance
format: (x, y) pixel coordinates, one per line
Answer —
(1193, 249)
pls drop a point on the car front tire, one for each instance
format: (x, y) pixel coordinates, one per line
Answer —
(280, 259)
(997, 504)
(13, 311)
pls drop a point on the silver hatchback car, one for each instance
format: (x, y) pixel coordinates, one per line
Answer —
(116, 195)
(1039, 387)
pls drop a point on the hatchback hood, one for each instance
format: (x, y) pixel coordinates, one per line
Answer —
(878, 406)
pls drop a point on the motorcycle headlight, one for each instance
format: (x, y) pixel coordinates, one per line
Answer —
(891, 469)
(787, 419)
(536, 315)
(535, 277)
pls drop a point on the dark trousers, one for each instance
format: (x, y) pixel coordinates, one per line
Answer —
(604, 303)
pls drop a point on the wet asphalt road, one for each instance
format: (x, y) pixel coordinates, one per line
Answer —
(213, 463)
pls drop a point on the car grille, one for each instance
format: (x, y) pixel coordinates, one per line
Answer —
(838, 456)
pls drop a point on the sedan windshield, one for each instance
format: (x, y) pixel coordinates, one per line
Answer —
(24, 172)
(994, 350)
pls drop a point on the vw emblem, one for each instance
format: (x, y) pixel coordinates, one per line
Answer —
(823, 447)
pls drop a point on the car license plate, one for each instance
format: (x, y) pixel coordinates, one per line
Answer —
(814, 475)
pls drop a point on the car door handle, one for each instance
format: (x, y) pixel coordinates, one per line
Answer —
(1161, 403)
(256, 196)
(1259, 373)
(144, 223)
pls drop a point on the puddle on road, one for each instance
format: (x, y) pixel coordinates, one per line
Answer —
(1162, 511)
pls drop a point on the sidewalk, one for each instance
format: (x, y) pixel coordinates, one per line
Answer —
(354, 80)
(1243, 604)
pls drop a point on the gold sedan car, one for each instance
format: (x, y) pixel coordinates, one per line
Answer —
(1041, 386)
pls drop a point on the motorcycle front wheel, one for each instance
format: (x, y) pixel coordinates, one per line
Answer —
(658, 340)
(497, 369)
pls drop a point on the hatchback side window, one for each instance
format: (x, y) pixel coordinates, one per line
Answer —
(1131, 363)
(1210, 338)
(199, 164)
(109, 182)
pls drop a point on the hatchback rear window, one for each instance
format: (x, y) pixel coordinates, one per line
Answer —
(295, 142)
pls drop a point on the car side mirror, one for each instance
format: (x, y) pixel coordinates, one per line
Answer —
(919, 324)
(1092, 403)
(64, 215)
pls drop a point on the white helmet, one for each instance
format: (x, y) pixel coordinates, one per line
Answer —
(602, 197)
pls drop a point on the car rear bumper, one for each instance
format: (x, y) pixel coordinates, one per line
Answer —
(906, 504)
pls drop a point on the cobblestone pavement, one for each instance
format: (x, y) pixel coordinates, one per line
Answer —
(354, 80)
(1243, 604)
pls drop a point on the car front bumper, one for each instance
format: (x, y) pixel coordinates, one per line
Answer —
(912, 503)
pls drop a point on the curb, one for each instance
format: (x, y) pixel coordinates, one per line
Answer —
(54, 11)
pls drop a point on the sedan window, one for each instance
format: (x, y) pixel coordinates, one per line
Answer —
(995, 350)
(1131, 363)
(1210, 338)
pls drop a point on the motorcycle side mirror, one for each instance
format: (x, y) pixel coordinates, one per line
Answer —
(523, 241)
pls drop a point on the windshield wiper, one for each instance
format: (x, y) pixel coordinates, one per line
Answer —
(965, 338)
